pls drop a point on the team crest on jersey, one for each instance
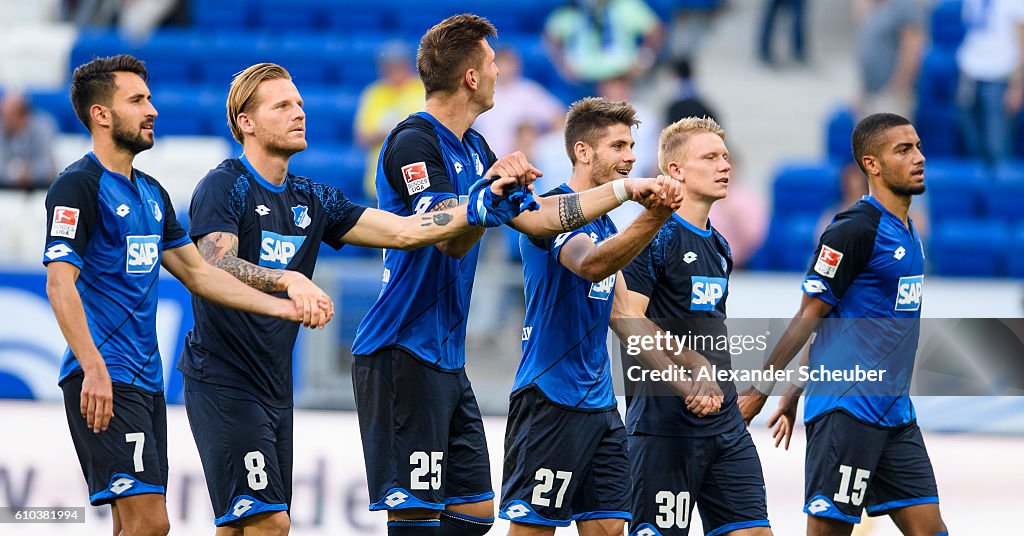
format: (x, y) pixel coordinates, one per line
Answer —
(706, 292)
(276, 250)
(828, 261)
(909, 293)
(65, 222)
(301, 213)
(416, 177)
(155, 207)
(143, 254)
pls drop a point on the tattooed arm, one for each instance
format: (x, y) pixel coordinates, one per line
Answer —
(220, 249)
(562, 213)
(445, 225)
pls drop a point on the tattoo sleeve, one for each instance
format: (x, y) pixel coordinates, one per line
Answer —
(440, 219)
(570, 214)
(451, 202)
(221, 250)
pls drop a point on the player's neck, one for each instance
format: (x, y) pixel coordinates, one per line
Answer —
(113, 157)
(695, 212)
(898, 204)
(580, 180)
(453, 111)
(272, 167)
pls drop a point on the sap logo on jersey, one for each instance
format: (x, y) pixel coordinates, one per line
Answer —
(603, 289)
(143, 254)
(909, 293)
(276, 251)
(706, 292)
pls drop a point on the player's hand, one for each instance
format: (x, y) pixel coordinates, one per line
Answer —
(644, 190)
(668, 201)
(751, 401)
(514, 165)
(314, 307)
(705, 398)
(784, 417)
(97, 404)
(498, 186)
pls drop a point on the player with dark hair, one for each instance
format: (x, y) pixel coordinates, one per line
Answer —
(680, 457)
(111, 228)
(423, 437)
(862, 298)
(264, 226)
(565, 444)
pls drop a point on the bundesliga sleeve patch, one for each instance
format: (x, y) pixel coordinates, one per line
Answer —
(416, 177)
(828, 261)
(65, 222)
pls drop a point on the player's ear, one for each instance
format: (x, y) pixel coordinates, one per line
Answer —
(871, 164)
(582, 152)
(471, 80)
(100, 115)
(676, 171)
(245, 123)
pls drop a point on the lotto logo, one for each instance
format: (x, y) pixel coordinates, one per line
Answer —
(395, 499)
(909, 293)
(241, 507)
(814, 286)
(706, 292)
(516, 510)
(121, 485)
(57, 251)
(416, 177)
(276, 251)
(65, 222)
(602, 290)
(828, 261)
(143, 254)
(818, 506)
(646, 532)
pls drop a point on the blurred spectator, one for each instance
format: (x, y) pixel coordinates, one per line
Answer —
(385, 103)
(742, 218)
(136, 19)
(688, 27)
(688, 101)
(890, 41)
(991, 75)
(594, 40)
(520, 105)
(796, 11)
(26, 145)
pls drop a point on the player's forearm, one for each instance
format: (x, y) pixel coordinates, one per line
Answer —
(617, 252)
(225, 289)
(70, 314)
(562, 213)
(255, 276)
(463, 241)
(451, 225)
(792, 340)
(631, 330)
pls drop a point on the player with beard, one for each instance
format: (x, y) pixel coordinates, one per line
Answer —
(423, 438)
(264, 225)
(111, 228)
(862, 299)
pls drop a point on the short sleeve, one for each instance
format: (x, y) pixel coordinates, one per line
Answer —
(414, 168)
(217, 204)
(174, 234)
(843, 251)
(71, 216)
(342, 214)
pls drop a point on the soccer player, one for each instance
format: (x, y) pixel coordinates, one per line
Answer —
(423, 437)
(680, 281)
(565, 444)
(252, 218)
(111, 228)
(864, 448)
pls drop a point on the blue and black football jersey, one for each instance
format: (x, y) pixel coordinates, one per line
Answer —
(685, 273)
(277, 227)
(870, 267)
(114, 230)
(565, 350)
(424, 302)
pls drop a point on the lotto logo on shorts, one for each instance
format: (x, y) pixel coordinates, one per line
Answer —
(416, 177)
(828, 261)
(909, 293)
(143, 254)
(707, 291)
(121, 485)
(65, 222)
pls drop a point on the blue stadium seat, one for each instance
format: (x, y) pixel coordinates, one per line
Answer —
(219, 15)
(338, 165)
(1004, 197)
(954, 188)
(290, 15)
(947, 27)
(938, 127)
(352, 60)
(969, 248)
(804, 189)
(1015, 258)
(937, 79)
(796, 243)
(837, 135)
(330, 115)
(58, 105)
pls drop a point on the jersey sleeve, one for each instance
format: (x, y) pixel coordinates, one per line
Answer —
(415, 170)
(843, 252)
(174, 234)
(342, 214)
(216, 205)
(71, 216)
(647, 268)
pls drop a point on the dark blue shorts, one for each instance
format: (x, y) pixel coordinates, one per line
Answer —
(563, 464)
(720, 474)
(423, 437)
(852, 465)
(246, 449)
(130, 457)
